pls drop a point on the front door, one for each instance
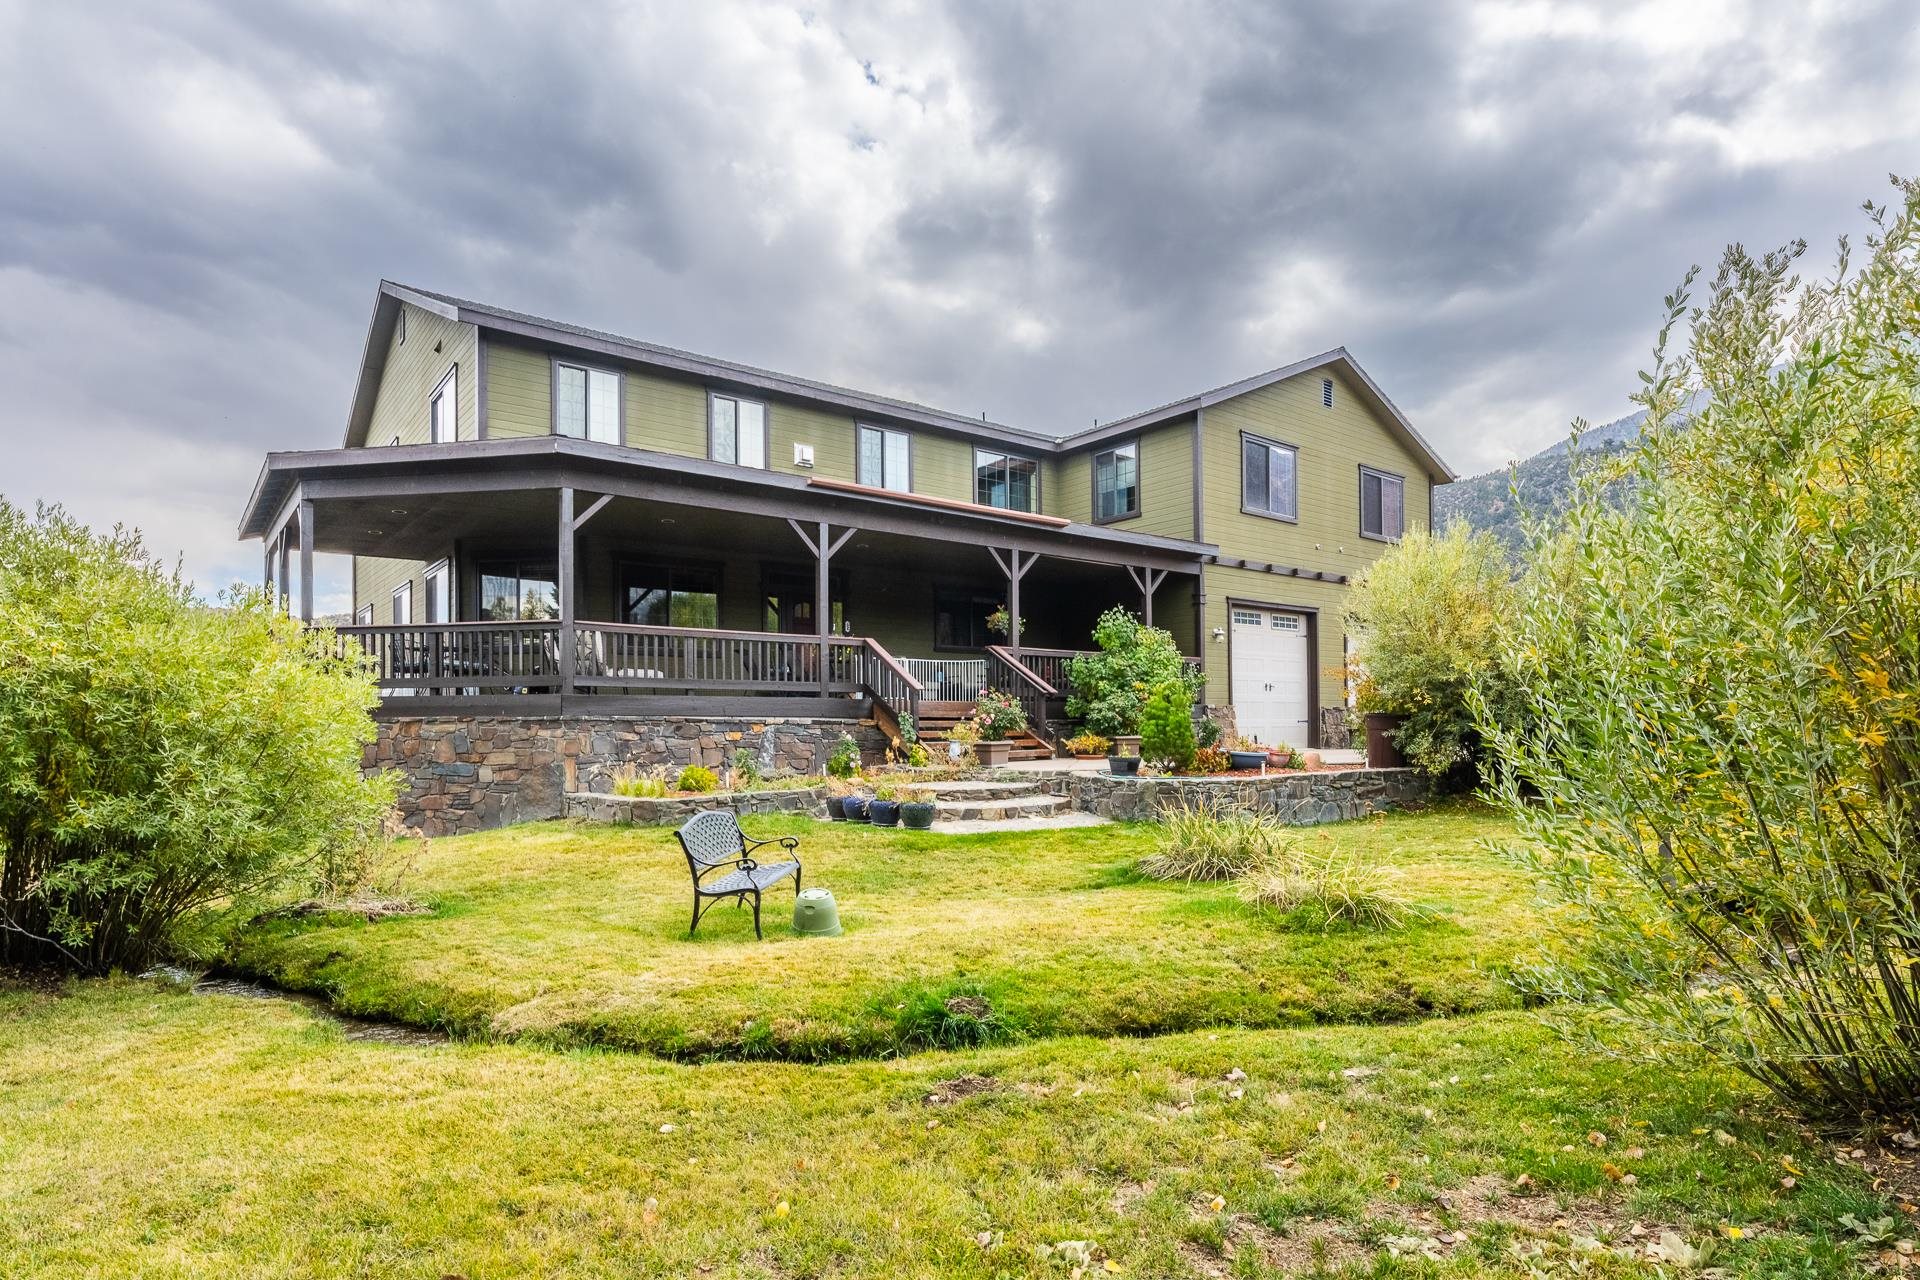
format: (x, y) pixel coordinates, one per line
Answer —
(1270, 671)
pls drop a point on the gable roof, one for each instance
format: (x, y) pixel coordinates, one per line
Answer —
(390, 295)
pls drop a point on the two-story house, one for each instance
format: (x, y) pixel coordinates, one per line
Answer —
(547, 520)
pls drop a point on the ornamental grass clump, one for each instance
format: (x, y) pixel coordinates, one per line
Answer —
(1330, 890)
(1717, 768)
(1198, 844)
(159, 756)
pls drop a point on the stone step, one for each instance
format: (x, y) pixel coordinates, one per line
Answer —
(978, 810)
(982, 789)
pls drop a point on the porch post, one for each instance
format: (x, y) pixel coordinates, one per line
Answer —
(1148, 581)
(1015, 568)
(564, 572)
(823, 608)
(306, 562)
(280, 575)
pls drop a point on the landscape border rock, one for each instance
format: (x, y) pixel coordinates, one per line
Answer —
(1297, 799)
(650, 811)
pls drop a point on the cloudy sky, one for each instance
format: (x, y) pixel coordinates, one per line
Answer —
(1049, 213)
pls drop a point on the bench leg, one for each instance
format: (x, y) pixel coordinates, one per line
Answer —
(758, 936)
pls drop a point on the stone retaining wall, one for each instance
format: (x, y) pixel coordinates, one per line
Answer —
(1298, 799)
(471, 773)
(647, 811)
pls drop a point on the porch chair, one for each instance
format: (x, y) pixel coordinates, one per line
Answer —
(713, 840)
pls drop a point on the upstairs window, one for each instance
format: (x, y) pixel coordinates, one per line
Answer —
(737, 430)
(443, 410)
(886, 459)
(1004, 480)
(586, 403)
(1116, 482)
(1383, 505)
(1269, 478)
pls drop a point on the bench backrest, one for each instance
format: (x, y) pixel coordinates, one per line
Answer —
(712, 837)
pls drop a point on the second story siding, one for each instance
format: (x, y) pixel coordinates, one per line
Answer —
(1166, 482)
(423, 350)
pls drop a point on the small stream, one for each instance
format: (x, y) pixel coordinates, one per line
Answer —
(355, 1028)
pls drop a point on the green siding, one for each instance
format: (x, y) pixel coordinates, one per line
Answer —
(414, 369)
(375, 579)
(1166, 482)
(1332, 444)
(519, 392)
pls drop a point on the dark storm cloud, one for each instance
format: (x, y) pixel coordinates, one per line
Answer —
(1045, 212)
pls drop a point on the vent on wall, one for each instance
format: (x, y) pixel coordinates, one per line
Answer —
(1326, 392)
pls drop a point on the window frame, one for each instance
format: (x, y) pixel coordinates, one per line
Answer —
(766, 429)
(363, 616)
(450, 381)
(1007, 455)
(949, 593)
(555, 364)
(402, 592)
(542, 571)
(443, 570)
(1139, 481)
(1361, 494)
(1270, 443)
(859, 428)
(671, 569)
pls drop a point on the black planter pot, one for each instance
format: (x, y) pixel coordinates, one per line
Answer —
(834, 810)
(1123, 766)
(916, 814)
(854, 808)
(883, 813)
(1247, 759)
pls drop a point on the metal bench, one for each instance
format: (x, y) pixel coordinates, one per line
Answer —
(713, 841)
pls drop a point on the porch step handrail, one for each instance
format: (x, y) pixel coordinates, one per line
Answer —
(894, 690)
(1009, 674)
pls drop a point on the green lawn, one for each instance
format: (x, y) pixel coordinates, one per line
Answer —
(163, 1135)
(577, 935)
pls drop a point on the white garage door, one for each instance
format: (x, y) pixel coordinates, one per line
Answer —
(1270, 675)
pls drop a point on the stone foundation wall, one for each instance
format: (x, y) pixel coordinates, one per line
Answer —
(1298, 799)
(1336, 729)
(648, 811)
(471, 773)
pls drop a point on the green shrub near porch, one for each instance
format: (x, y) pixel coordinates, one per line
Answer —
(1111, 686)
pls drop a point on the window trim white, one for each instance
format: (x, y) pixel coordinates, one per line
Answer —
(448, 384)
(363, 616)
(859, 430)
(402, 592)
(1270, 444)
(766, 429)
(442, 570)
(619, 400)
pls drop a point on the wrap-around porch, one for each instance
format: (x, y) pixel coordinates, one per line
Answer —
(611, 590)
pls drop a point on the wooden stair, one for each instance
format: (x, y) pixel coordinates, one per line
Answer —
(938, 718)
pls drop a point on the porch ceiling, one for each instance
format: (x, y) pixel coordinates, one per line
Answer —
(410, 502)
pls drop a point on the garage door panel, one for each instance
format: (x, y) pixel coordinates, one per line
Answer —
(1270, 669)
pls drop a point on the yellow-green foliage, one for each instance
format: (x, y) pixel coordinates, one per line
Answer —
(1329, 888)
(158, 755)
(1198, 844)
(697, 778)
(1719, 765)
(1166, 727)
(630, 780)
(1427, 618)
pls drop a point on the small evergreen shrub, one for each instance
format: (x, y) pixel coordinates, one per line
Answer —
(697, 778)
(1166, 727)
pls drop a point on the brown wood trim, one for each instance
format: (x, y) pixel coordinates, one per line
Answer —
(928, 500)
(892, 664)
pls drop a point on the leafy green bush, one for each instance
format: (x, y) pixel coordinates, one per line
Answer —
(1198, 844)
(844, 760)
(1110, 687)
(696, 778)
(998, 715)
(1718, 769)
(1426, 617)
(1166, 727)
(157, 755)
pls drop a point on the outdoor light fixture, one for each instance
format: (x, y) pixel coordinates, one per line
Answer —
(1219, 634)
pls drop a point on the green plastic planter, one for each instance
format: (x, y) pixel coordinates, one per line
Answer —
(816, 914)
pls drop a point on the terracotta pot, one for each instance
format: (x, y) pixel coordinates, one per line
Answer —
(1381, 751)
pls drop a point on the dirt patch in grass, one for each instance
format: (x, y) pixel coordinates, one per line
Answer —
(959, 1088)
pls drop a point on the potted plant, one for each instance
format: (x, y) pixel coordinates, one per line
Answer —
(884, 809)
(997, 716)
(916, 810)
(837, 792)
(1246, 753)
(1088, 746)
(1121, 764)
(1000, 622)
(854, 808)
(961, 741)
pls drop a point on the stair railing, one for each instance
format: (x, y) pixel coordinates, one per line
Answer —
(895, 692)
(1009, 674)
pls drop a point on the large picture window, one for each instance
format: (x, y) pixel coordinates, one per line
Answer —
(657, 596)
(512, 591)
(1004, 480)
(886, 459)
(737, 430)
(1116, 482)
(1269, 478)
(1383, 505)
(586, 403)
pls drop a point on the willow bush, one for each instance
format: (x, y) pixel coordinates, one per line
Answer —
(157, 755)
(1718, 760)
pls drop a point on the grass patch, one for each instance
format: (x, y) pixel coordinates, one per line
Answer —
(146, 1132)
(575, 935)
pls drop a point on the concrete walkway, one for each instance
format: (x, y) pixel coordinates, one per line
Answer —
(1053, 822)
(1070, 765)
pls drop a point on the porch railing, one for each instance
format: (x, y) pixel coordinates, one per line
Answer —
(949, 679)
(1012, 675)
(895, 690)
(619, 657)
(461, 657)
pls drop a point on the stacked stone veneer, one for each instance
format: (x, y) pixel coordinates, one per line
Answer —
(645, 811)
(1299, 799)
(470, 773)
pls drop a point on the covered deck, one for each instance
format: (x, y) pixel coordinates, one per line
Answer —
(576, 578)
